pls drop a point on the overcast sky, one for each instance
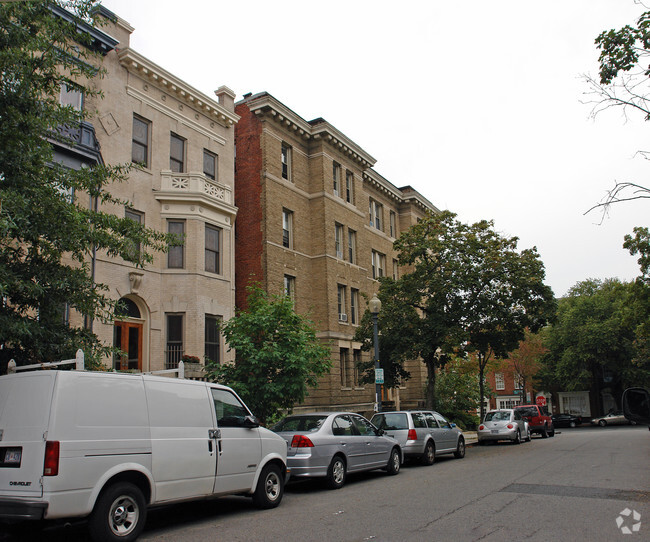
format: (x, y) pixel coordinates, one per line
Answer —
(477, 104)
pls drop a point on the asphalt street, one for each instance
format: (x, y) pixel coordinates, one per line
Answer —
(583, 484)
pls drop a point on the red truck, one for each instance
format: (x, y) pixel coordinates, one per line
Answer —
(538, 420)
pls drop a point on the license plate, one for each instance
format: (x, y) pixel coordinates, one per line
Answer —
(494, 431)
(13, 456)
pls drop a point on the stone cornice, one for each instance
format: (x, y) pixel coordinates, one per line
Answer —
(405, 194)
(265, 105)
(144, 68)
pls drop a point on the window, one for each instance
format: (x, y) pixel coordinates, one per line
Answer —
(395, 268)
(378, 264)
(338, 240)
(286, 162)
(175, 253)
(290, 286)
(230, 411)
(71, 96)
(354, 306)
(393, 224)
(349, 186)
(343, 317)
(140, 143)
(375, 210)
(352, 246)
(138, 217)
(336, 178)
(212, 347)
(499, 381)
(287, 228)
(177, 154)
(212, 242)
(519, 382)
(356, 360)
(210, 166)
(343, 360)
(174, 346)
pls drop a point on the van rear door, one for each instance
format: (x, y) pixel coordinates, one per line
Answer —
(25, 401)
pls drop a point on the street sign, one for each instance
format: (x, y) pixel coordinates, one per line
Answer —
(379, 376)
(541, 401)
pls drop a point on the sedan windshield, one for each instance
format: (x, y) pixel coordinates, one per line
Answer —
(306, 424)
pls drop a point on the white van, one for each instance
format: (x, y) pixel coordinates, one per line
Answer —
(108, 445)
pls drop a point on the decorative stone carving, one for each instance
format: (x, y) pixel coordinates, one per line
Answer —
(135, 279)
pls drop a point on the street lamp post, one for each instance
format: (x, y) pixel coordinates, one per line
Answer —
(375, 307)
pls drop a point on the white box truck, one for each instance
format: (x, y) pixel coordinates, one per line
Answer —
(109, 445)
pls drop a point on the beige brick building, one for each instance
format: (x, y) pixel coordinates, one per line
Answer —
(316, 221)
(185, 143)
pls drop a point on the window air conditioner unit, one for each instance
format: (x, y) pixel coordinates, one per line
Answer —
(343, 317)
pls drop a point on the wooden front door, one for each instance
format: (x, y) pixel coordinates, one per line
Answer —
(128, 338)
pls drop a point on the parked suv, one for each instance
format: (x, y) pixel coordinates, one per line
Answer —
(538, 420)
(422, 434)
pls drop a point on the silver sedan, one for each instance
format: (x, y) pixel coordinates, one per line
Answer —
(333, 444)
(503, 424)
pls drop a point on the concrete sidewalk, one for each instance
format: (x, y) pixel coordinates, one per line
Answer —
(470, 438)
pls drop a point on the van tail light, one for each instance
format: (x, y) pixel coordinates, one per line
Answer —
(301, 441)
(481, 427)
(510, 426)
(412, 435)
(51, 465)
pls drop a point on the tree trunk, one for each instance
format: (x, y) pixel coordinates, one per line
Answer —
(431, 384)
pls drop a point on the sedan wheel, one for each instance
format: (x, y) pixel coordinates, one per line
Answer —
(602, 423)
(517, 438)
(336, 473)
(572, 424)
(528, 435)
(460, 450)
(429, 455)
(394, 463)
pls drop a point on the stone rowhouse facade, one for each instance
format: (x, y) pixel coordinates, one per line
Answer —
(150, 116)
(316, 221)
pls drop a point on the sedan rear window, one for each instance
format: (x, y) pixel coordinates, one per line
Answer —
(390, 421)
(305, 424)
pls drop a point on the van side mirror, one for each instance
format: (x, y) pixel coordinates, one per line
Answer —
(250, 422)
(636, 405)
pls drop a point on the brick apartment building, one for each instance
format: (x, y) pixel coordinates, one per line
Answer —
(185, 142)
(317, 222)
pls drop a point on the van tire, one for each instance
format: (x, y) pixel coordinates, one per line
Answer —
(119, 514)
(270, 488)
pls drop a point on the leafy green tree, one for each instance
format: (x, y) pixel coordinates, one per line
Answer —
(47, 228)
(593, 344)
(466, 289)
(457, 392)
(277, 354)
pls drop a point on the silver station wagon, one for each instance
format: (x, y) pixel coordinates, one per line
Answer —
(333, 444)
(422, 434)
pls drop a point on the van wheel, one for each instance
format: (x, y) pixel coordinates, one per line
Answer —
(270, 488)
(119, 514)
(394, 463)
(336, 473)
(429, 455)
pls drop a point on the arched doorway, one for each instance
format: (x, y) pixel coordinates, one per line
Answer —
(127, 336)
